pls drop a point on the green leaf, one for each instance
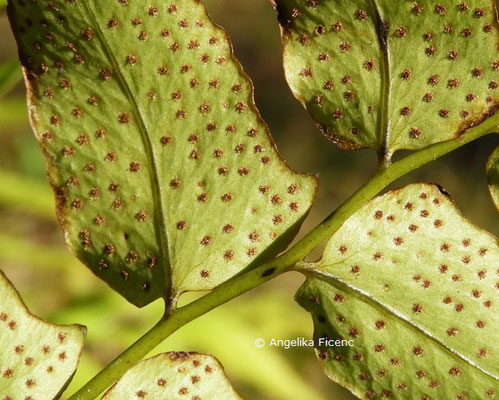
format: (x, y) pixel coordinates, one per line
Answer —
(165, 175)
(38, 358)
(175, 376)
(10, 74)
(493, 175)
(391, 75)
(413, 284)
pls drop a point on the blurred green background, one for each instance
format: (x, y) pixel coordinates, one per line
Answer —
(57, 287)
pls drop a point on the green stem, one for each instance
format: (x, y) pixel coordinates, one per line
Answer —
(245, 282)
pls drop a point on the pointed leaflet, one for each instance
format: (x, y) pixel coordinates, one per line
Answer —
(175, 376)
(37, 359)
(493, 175)
(392, 74)
(414, 284)
(166, 177)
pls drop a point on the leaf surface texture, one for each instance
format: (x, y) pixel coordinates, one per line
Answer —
(392, 75)
(175, 376)
(414, 285)
(37, 359)
(166, 177)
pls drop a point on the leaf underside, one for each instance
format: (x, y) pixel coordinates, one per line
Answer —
(392, 75)
(37, 359)
(493, 176)
(414, 285)
(176, 376)
(165, 175)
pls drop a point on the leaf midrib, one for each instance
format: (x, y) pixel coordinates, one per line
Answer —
(161, 233)
(366, 297)
(383, 127)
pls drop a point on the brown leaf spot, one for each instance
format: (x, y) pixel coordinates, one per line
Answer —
(448, 29)
(369, 64)
(445, 247)
(306, 72)
(417, 9)
(30, 383)
(440, 9)
(430, 50)
(206, 240)
(349, 95)
(452, 83)
(413, 228)
(453, 55)
(405, 111)
(223, 171)
(420, 374)
(406, 74)
(479, 13)
(417, 308)
(141, 215)
(175, 183)
(428, 97)
(401, 32)
(379, 348)
(433, 80)
(467, 32)
(161, 382)
(132, 257)
(380, 324)
(415, 133)
(345, 46)
(243, 171)
(228, 255)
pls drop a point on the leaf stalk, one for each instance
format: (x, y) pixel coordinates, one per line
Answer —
(248, 280)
